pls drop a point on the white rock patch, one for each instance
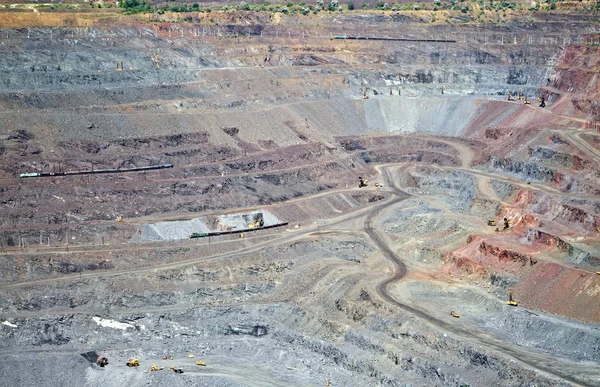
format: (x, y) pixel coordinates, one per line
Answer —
(103, 322)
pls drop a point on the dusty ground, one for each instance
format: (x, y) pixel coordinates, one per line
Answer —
(357, 289)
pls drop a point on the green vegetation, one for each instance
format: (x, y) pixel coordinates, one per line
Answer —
(136, 6)
(479, 10)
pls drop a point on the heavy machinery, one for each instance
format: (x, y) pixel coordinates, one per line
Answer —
(362, 182)
(133, 362)
(200, 363)
(454, 314)
(520, 96)
(156, 368)
(190, 356)
(492, 223)
(259, 221)
(102, 361)
(511, 302)
(506, 224)
(542, 102)
(510, 96)
(176, 370)
(155, 61)
(527, 101)
(598, 272)
(364, 89)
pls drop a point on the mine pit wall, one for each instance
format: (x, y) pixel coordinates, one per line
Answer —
(562, 291)
(539, 285)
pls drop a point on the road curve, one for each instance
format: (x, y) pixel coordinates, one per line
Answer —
(549, 365)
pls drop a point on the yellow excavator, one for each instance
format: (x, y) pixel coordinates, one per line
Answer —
(527, 101)
(454, 314)
(510, 96)
(133, 362)
(511, 302)
(156, 368)
(258, 222)
(362, 182)
(520, 96)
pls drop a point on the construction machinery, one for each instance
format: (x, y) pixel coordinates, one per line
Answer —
(190, 356)
(506, 224)
(176, 370)
(510, 96)
(156, 368)
(362, 182)
(491, 223)
(119, 219)
(511, 302)
(527, 101)
(102, 361)
(258, 222)
(542, 102)
(155, 61)
(454, 314)
(133, 362)
(364, 89)
(200, 363)
(520, 96)
(598, 272)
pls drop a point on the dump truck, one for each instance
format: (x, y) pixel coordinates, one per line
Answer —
(510, 301)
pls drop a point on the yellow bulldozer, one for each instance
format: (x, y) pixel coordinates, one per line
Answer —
(511, 302)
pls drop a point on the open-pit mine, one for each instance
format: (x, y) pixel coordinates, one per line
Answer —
(239, 197)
